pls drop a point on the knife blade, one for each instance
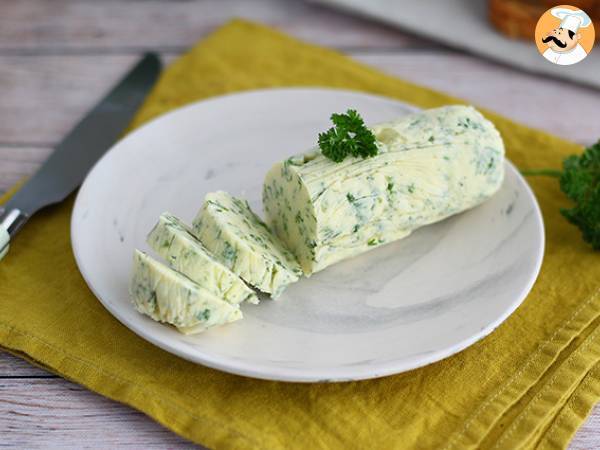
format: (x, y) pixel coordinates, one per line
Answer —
(72, 159)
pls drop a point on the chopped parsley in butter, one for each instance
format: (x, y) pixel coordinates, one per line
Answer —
(169, 296)
(241, 241)
(174, 241)
(430, 165)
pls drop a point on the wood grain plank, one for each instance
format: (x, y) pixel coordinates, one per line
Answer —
(588, 436)
(42, 97)
(56, 413)
(18, 162)
(13, 367)
(69, 25)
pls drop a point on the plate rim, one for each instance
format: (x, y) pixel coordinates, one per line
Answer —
(299, 374)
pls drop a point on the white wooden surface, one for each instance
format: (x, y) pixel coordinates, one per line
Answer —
(58, 57)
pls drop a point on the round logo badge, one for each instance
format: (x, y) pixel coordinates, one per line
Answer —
(564, 35)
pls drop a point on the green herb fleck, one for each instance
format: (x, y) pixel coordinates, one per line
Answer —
(293, 161)
(203, 315)
(152, 300)
(167, 243)
(229, 254)
(411, 188)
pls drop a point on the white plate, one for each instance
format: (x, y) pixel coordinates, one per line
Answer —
(395, 308)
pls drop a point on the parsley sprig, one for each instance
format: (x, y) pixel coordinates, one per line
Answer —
(580, 181)
(348, 136)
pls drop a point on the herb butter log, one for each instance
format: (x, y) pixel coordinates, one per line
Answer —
(169, 296)
(240, 240)
(430, 165)
(174, 241)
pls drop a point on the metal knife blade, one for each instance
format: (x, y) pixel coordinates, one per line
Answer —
(68, 165)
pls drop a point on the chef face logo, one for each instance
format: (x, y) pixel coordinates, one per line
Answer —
(564, 35)
(561, 40)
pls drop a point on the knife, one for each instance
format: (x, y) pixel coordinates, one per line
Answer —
(68, 165)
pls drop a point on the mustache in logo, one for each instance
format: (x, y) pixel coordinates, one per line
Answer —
(555, 40)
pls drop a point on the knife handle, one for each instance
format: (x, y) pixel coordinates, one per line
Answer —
(4, 240)
(11, 221)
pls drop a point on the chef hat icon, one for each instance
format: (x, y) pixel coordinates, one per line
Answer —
(570, 19)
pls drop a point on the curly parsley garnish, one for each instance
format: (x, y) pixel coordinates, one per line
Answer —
(348, 136)
(580, 181)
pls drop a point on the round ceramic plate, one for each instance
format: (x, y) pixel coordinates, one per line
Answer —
(400, 306)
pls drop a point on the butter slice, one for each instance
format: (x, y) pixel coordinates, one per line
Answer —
(241, 240)
(172, 239)
(169, 296)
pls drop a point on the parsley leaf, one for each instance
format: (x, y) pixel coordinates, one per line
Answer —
(348, 136)
(580, 181)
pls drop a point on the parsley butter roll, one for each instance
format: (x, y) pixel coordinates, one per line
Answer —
(174, 241)
(169, 296)
(430, 165)
(241, 240)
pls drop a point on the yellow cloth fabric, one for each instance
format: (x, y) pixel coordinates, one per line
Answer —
(529, 384)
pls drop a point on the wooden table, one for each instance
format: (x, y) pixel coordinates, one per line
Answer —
(58, 57)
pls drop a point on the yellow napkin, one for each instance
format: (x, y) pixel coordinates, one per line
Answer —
(529, 384)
